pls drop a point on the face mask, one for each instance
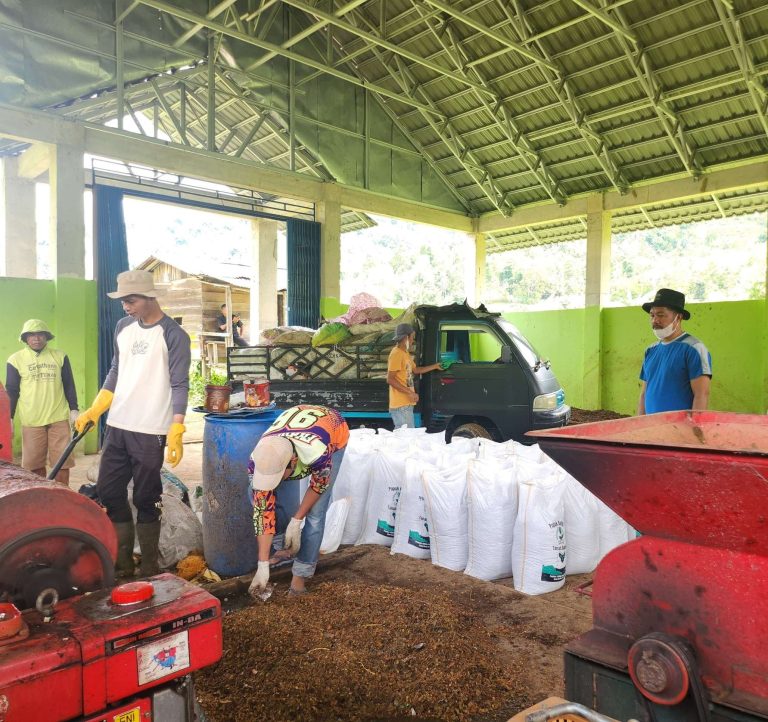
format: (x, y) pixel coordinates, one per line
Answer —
(666, 332)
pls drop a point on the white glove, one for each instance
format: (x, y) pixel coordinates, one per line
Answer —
(73, 414)
(293, 536)
(260, 579)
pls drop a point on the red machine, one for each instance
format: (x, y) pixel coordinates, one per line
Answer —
(79, 650)
(681, 613)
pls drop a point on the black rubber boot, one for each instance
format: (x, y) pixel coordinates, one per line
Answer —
(149, 539)
(124, 566)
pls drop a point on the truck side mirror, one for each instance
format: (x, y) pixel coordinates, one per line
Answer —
(506, 354)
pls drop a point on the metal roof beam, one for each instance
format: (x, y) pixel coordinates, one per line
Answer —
(498, 37)
(735, 34)
(446, 131)
(502, 117)
(171, 115)
(452, 140)
(212, 14)
(375, 39)
(570, 102)
(606, 19)
(298, 37)
(739, 177)
(394, 117)
(674, 127)
(271, 47)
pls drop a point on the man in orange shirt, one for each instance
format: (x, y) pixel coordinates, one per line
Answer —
(401, 369)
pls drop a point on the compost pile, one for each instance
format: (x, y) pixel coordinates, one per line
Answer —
(351, 651)
(583, 416)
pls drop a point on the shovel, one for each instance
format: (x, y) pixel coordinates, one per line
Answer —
(71, 445)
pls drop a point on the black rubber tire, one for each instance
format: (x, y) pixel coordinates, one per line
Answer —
(472, 431)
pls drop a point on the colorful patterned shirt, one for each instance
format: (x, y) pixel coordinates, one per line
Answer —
(316, 433)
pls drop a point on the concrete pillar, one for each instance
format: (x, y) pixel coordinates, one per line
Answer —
(479, 268)
(67, 226)
(329, 217)
(596, 295)
(17, 214)
(764, 407)
(263, 278)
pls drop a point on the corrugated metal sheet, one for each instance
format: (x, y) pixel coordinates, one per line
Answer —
(653, 216)
(520, 103)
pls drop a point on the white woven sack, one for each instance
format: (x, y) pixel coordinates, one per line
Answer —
(352, 483)
(412, 530)
(335, 519)
(492, 509)
(539, 545)
(461, 445)
(530, 453)
(490, 449)
(582, 527)
(387, 471)
(445, 493)
(614, 531)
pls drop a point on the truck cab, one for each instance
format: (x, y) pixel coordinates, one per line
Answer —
(498, 386)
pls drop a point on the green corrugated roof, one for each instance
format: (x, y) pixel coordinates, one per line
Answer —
(509, 102)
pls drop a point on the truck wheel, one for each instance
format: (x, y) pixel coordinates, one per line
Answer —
(472, 431)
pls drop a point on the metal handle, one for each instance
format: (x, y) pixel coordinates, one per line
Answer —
(57, 466)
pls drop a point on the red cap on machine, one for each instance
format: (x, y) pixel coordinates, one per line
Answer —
(132, 593)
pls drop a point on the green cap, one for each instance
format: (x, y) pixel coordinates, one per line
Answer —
(34, 325)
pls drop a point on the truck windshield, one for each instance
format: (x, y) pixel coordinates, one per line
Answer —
(522, 344)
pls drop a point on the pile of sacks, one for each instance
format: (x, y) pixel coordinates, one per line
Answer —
(490, 509)
(365, 323)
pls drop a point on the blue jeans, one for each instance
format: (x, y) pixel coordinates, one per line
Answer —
(287, 502)
(403, 417)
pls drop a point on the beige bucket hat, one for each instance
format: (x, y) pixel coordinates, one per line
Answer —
(136, 283)
(270, 460)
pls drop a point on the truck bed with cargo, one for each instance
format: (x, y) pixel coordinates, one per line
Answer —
(498, 386)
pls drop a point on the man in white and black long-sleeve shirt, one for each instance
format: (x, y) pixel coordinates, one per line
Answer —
(146, 392)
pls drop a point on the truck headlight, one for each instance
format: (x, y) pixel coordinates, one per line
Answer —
(549, 402)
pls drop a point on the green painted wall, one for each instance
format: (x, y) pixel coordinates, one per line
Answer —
(734, 333)
(559, 337)
(68, 306)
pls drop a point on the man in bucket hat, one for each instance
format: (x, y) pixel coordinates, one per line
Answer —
(303, 441)
(401, 369)
(677, 369)
(146, 393)
(41, 388)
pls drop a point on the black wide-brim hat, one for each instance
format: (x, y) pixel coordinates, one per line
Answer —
(669, 299)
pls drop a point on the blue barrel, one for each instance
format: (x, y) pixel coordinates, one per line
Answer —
(228, 538)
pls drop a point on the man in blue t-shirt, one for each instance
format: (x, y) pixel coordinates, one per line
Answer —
(677, 370)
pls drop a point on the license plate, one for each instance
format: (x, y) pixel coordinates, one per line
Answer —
(131, 715)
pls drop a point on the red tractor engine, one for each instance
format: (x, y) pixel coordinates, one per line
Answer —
(80, 650)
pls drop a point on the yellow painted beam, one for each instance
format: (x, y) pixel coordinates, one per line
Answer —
(720, 179)
(28, 125)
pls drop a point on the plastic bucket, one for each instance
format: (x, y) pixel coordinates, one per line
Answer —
(217, 398)
(229, 542)
(256, 392)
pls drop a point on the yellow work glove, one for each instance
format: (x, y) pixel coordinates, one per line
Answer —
(174, 447)
(100, 404)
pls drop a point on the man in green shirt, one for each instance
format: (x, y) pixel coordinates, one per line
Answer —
(41, 388)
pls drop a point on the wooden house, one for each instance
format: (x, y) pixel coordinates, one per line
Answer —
(193, 297)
